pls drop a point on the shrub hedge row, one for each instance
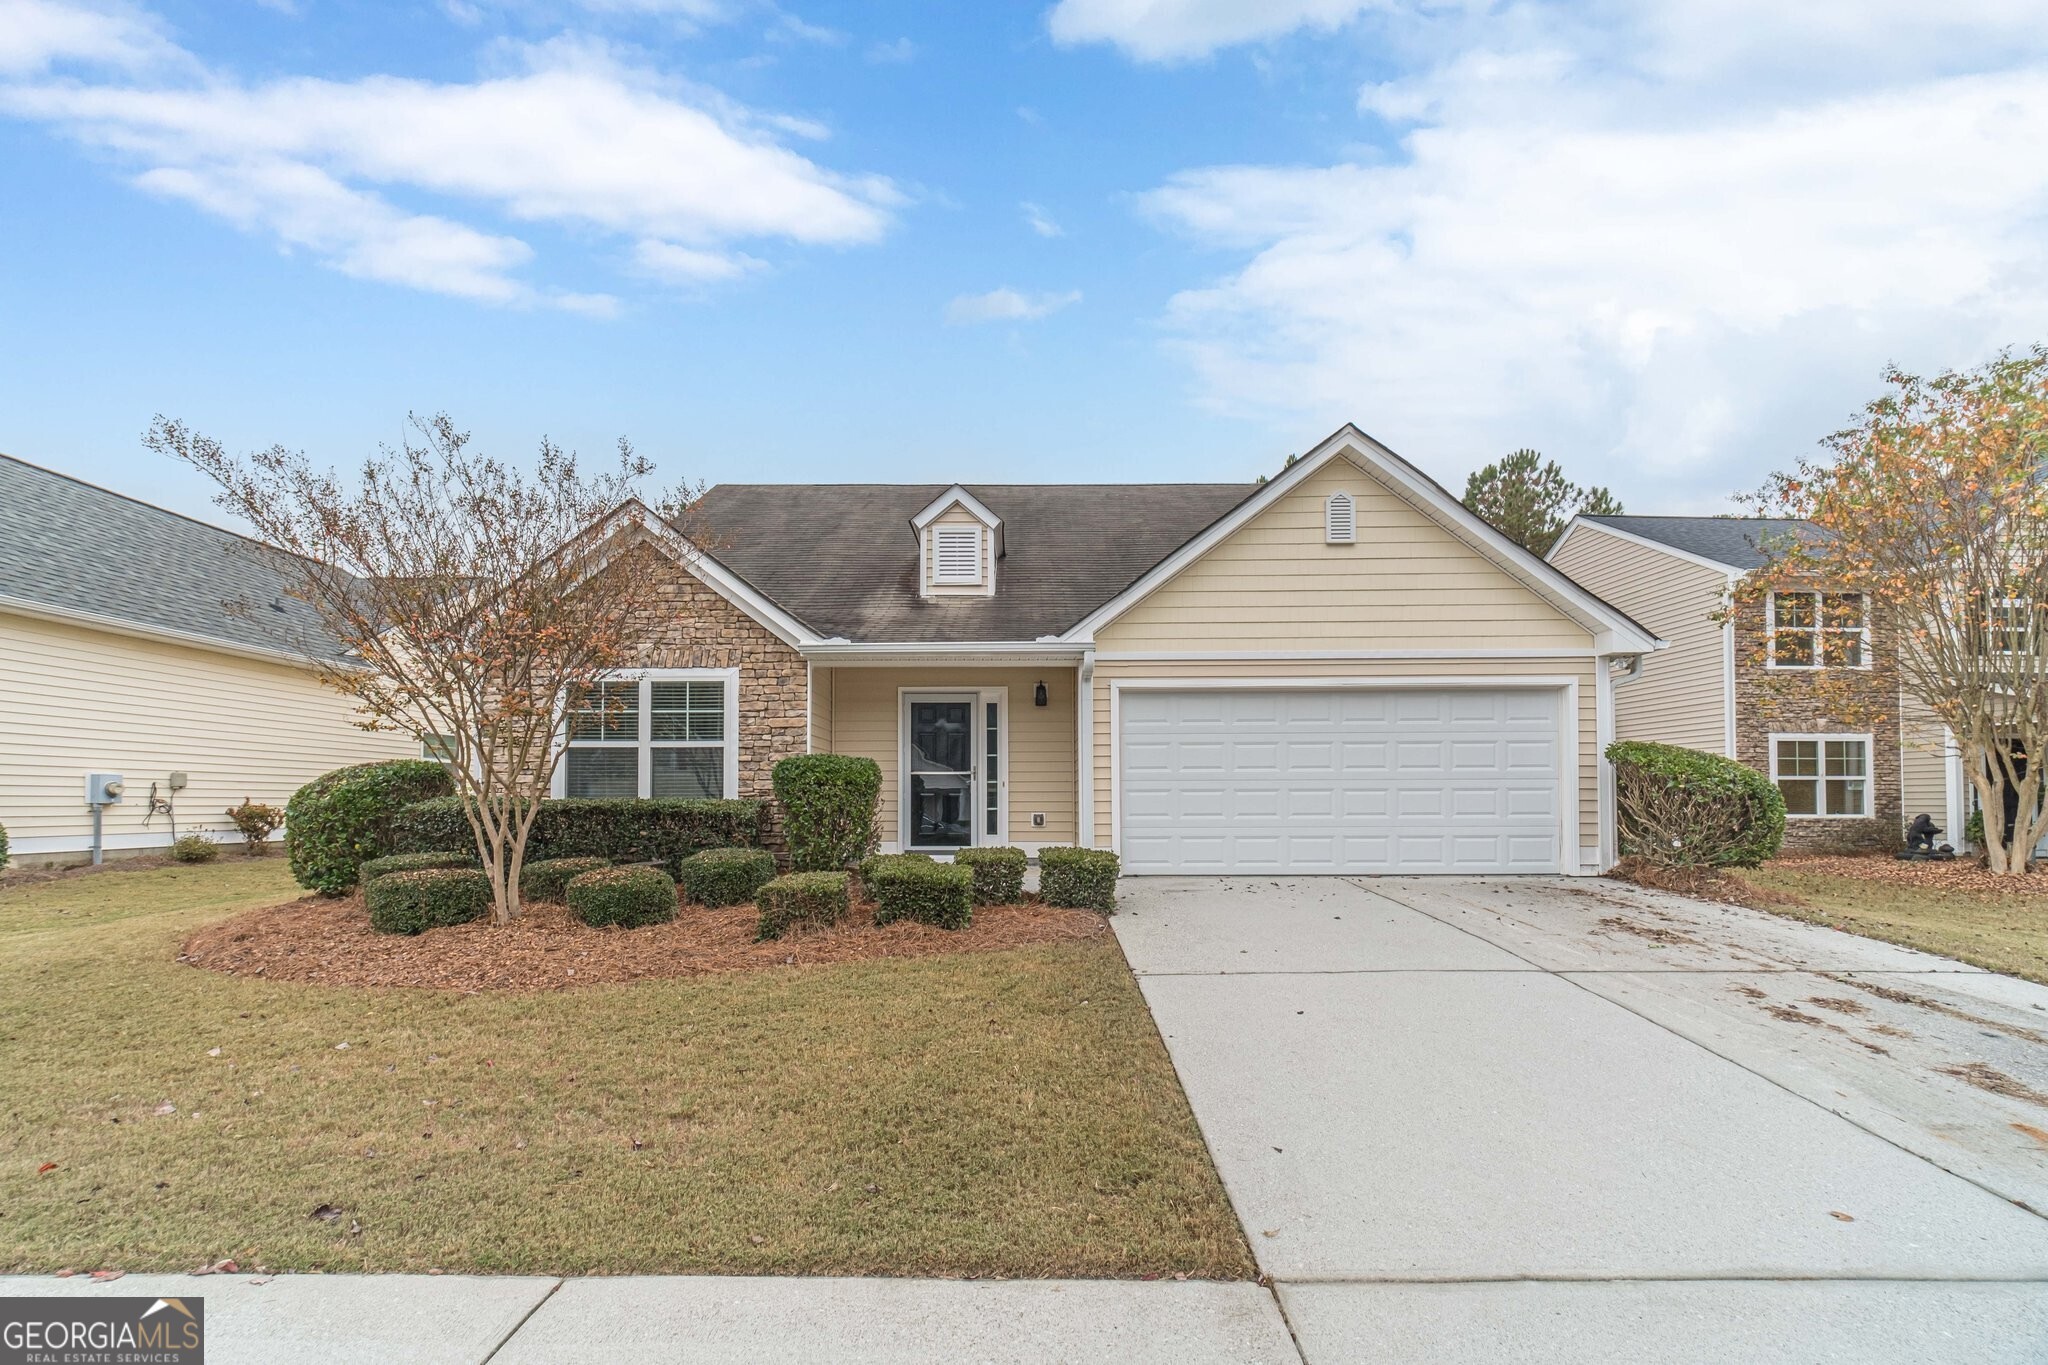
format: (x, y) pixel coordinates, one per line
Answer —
(622, 831)
(428, 898)
(828, 809)
(935, 893)
(1687, 808)
(412, 862)
(341, 819)
(725, 876)
(807, 899)
(1082, 878)
(624, 896)
(549, 878)
(998, 873)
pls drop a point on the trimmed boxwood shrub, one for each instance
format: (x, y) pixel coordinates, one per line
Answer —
(725, 876)
(940, 894)
(809, 899)
(665, 830)
(1686, 808)
(624, 896)
(998, 874)
(828, 809)
(412, 862)
(875, 862)
(194, 848)
(1081, 878)
(427, 898)
(548, 879)
(341, 819)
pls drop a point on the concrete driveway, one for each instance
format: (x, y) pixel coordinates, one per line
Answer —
(1562, 1120)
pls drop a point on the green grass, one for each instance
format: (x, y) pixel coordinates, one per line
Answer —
(985, 1114)
(2003, 932)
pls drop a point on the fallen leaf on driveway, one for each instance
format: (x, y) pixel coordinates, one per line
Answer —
(103, 1276)
(1270, 1232)
(1845, 1217)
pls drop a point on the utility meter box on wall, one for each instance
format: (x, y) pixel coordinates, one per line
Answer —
(104, 789)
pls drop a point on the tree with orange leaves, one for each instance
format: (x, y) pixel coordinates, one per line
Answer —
(473, 600)
(1935, 504)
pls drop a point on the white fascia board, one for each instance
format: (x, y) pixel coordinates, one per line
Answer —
(1733, 572)
(722, 580)
(953, 495)
(114, 625)
(999, 653)
(1613, 632)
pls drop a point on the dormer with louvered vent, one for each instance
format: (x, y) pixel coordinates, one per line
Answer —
(959, 542)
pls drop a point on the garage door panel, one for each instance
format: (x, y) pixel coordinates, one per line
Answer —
(1341, 780)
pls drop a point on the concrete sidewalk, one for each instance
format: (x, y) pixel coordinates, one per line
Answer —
(642, 1320)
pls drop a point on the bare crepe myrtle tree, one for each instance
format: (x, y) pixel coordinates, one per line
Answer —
(473, 599)
(1935, 504)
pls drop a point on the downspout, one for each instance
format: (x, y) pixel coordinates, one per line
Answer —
(1084, 749)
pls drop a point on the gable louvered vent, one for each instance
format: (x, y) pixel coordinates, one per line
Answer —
(1340, 520)
(956, 554)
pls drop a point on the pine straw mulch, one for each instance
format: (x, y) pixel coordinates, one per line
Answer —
(1732, 888)
(330, 943)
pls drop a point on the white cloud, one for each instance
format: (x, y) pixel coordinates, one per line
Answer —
(35, 34)
(686, 265)
(575, 138)
(1041, 222)
(1008, 305)
(892, 53)
(1674, 286)
(1177, 30)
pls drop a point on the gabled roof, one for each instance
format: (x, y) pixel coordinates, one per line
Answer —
(1735, 542)
(73, 550)
(837, 556)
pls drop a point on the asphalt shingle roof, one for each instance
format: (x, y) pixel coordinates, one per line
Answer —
(1734, 541)
(842, 558)
(71, 546)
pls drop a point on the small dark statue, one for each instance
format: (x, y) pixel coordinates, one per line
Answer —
(1920, 846)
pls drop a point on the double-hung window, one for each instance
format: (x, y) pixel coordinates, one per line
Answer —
(1819, 630)
(658, 735)
(1823, 775)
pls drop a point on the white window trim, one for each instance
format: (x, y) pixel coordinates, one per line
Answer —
(982, 697)
(644, 745)
(2024, 628)
(1869, 773)
(1350, 536)
(940, 579)
(1818, 631)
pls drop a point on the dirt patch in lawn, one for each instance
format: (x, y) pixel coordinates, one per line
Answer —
(330, 942)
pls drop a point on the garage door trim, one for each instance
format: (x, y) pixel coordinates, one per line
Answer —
(1567, 689)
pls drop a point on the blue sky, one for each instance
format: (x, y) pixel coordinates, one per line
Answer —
(1670, 243)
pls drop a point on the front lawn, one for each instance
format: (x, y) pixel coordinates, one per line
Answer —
(997, 1113)
(1948, 908)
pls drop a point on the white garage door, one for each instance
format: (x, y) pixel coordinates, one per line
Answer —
(1358, 780)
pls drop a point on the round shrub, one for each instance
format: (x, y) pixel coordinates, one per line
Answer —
(828, 809)
(194, 848)
(1684, 808)
(626, 896)
(1080, 878)
(725, 876)
(257, 822)
(940, 894)
(341, 819)
(808, 899)
(412, 862)
(427, 898)
(998, 874)
(548, 879)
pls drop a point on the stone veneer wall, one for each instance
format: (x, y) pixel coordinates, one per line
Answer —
(694, 627)
(1771, 702)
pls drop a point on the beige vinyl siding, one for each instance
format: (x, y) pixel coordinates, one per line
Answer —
(1681, 694)
(75, 700)
(1406, 583)
(1579, 669)
(821, 709)
(1923, 764)
(957, 516)
(1044, 775)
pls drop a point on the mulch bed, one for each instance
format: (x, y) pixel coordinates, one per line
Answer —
(1733, 888)
(330, 942)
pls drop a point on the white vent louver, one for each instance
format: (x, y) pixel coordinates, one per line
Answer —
(1340, 521)
(956, 554)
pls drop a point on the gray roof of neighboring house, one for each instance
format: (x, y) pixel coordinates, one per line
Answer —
(1734, 541)
(71, 547)
(843, 559)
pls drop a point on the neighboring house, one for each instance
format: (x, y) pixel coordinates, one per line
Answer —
(1339, 670)
(1745, 684)
(119, 655)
